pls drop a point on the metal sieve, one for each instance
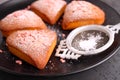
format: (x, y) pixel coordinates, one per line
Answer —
(66, 50)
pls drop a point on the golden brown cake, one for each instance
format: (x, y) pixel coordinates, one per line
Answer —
(49, 10)
(21, 20)
(32, 46)
(79, 13)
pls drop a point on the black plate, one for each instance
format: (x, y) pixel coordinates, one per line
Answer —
(54, 66)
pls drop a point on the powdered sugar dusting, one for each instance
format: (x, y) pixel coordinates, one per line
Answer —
(90, 40)
(34, 43)
(21, 19)
(82, 10)
(91, 43)
(29, 40)
(49, 7)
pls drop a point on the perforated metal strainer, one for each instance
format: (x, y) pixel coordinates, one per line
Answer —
(66, 50)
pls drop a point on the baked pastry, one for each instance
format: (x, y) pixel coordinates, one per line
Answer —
(49, 10)
(32, 46)
(79, 13)
(21, 20)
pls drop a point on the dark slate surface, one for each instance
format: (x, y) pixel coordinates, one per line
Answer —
(109, 70)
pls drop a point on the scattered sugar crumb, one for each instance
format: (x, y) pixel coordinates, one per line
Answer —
(59, 23)
(63, 35)
(50, 61)
(1, 51)
(51, 66)
(6, 44)
(18, 62)
(62, 60)
(27, 8)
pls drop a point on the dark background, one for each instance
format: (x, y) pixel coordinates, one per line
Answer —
(109, 70)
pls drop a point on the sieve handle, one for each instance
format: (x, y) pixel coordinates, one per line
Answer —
(114, 28)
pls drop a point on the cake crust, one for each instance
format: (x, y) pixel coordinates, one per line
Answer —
(79, 13)
(49, 10)
(33, 46)
(21, 20)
